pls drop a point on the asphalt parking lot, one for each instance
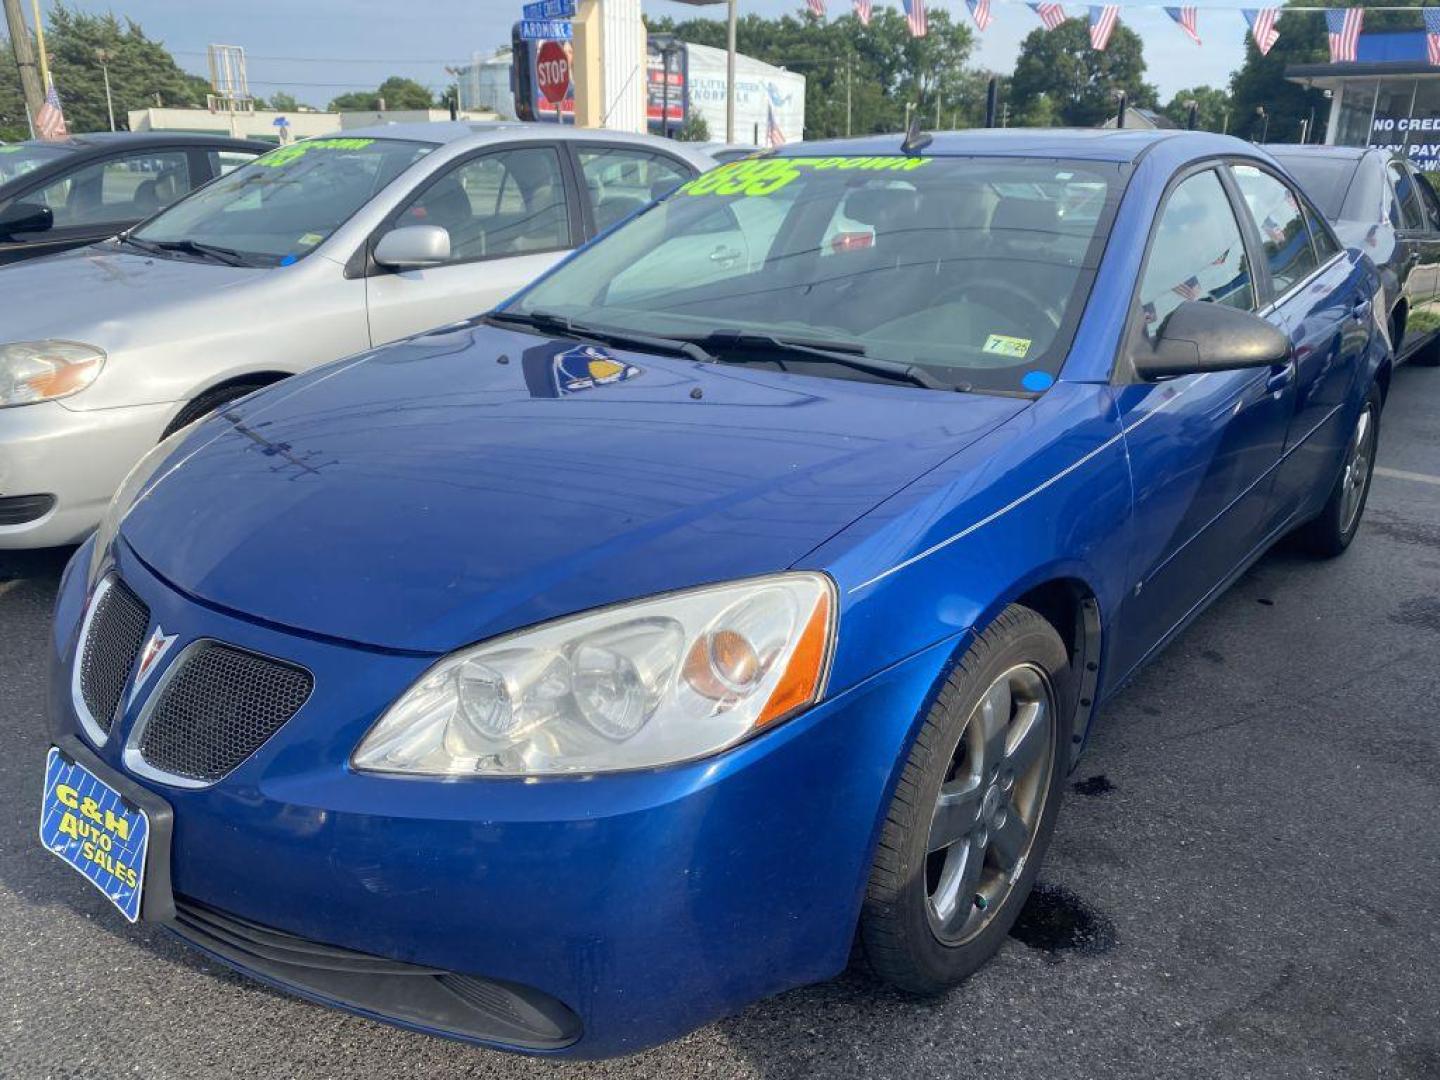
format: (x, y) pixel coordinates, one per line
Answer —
(1245, 882)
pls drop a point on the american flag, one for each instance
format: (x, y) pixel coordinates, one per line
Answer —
(817, 8)
(1102, 24)
(1344, 28)
(50, 120)
(1051, 15)
(1273, 230)
(915, 16)
(862, 11)
(1432, 33)
(1189, 289)
(773, 135)
(980, 12)
(1188, 18)
(1262, 27)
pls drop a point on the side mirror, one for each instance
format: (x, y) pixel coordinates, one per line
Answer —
(21, 217)
(413, 247)
(1198, 337)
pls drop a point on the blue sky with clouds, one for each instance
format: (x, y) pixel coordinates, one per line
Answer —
(354, 44)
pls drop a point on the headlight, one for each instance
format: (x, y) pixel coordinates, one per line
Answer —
(631, 687)
(130, 488)
(32, 371)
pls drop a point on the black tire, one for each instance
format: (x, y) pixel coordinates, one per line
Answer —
(1330, 532)
(207, 403)
(901, 934)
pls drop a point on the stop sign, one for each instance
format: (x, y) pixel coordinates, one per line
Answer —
(552, 70)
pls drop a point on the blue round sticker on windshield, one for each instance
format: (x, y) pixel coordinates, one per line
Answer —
(289, 260)
(1037, 381)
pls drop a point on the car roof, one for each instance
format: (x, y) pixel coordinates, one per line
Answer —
(481, 132)
(1091, 144)
(1348, 153)
(109, 140)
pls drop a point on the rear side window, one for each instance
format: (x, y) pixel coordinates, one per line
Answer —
(1281, 222)
(620, 181)
(1198, 253)
(1411, 214)
(1325, 179)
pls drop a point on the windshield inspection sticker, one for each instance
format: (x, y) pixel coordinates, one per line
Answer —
(1016, 347)
(310, 239)
(765, 176)
(286, 154)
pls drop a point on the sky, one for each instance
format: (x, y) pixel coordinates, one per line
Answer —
(317, 49)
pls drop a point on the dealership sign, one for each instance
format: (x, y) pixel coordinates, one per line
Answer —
(1416, 137)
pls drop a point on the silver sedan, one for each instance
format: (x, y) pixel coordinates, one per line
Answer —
(315, 251)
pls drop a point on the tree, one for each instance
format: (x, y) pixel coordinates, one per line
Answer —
(142, 71)
(13, 123)
(695, 129)
(1215, 112)
(1080, 83)
(280, 101)
(396, 92)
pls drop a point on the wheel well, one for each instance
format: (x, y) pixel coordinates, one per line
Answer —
(255, 379)
(1069, 605)
(1398, 314)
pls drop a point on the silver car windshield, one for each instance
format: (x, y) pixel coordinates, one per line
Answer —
(280, 207)
(974, 270)
(22, 158)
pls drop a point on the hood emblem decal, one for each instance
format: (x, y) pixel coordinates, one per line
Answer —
(150, 657)
(586, 367)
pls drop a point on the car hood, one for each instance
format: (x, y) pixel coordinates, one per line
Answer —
(93, 293)
(461, 484)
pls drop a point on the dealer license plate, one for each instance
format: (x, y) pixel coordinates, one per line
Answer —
(96, 830)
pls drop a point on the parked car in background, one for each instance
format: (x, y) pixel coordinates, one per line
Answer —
(569, 677)
(317, 250)
(60, 195)
(1381, 204)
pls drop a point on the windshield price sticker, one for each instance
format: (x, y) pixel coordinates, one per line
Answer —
(765, 176)
(1005, 345)
(287, 154)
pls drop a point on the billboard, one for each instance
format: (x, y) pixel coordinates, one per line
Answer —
(759, 89)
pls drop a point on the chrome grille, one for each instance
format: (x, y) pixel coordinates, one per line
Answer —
(116, 633)
(217, 708)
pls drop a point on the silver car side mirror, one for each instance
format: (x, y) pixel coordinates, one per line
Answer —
(413, 247)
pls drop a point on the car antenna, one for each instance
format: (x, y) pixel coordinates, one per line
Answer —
(915, 139)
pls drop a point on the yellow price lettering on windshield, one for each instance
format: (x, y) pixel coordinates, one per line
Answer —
(765, 176)
(287, 154)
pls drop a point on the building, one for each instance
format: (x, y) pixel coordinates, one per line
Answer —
(1390, 96)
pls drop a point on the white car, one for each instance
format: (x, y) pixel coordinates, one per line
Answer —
(316, 250)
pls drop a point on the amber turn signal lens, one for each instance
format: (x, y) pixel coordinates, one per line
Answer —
(800, 684)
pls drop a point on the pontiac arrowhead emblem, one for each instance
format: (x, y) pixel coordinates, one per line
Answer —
(150, 658)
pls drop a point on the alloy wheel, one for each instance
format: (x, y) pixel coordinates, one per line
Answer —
(983, 825)
(1357, 469)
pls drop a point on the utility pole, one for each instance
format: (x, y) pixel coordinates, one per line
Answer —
(103, 58)
(849, 78)
(938, 96)
(24, 59)
(729, 70)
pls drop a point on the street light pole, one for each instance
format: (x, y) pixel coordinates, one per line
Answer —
(730, 71)
(104, 57)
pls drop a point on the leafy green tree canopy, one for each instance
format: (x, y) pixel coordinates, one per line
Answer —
(396, 92)
(1079, 84)
(1215, 110)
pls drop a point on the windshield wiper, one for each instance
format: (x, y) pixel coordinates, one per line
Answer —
(142, 245)
(206, 251)
(842, 353)
(552, 322)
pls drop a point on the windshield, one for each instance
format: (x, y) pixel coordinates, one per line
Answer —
(22, 158)
(1324, 179)
(283, 205)
(974, 270)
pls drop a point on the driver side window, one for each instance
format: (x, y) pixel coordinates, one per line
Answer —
(1198, 253)
(502, 204)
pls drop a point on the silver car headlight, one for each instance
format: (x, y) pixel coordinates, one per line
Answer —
(32, 371)
(635, 686)
(135, 482)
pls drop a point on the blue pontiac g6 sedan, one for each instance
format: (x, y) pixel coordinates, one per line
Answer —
(742, 590)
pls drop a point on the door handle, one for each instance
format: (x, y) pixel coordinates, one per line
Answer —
(1281, 377)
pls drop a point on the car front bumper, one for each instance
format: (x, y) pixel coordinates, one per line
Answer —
(645, 903)
(77, 457)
